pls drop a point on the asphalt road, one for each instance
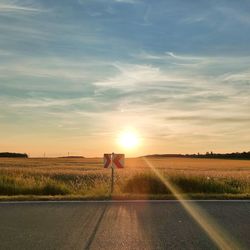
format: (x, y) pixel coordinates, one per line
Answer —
(118, 225)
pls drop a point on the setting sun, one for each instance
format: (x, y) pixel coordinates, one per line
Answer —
(128, 139)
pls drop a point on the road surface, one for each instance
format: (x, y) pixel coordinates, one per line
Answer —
(117, 225)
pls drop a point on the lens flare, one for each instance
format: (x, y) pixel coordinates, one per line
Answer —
(207, 223)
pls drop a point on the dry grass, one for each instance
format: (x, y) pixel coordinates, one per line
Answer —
(87, 178)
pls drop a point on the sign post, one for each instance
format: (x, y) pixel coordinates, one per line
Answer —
(112, 174)
(113, 161)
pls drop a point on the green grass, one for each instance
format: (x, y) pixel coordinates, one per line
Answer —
(27, 186)
(17, 183)
(151, 184)
(98, 185)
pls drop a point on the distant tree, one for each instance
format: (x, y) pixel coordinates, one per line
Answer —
(15, 155)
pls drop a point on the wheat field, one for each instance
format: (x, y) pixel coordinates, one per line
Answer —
(86, 177)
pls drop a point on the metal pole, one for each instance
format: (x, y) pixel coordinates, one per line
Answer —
(112, 181)
(112, 174)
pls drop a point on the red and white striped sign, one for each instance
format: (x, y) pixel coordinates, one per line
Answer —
(117, 159)
(107, 160)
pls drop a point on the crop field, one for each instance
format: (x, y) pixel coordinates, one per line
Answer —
(85, 178)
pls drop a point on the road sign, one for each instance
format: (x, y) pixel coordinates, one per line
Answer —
(107, 160)
(113, 161)
(118, 160)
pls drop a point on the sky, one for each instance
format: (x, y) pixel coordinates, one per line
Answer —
(76, 74)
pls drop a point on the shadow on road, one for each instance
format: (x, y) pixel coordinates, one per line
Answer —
(92, 236)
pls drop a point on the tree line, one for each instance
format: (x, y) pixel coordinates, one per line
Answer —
(15, 155)
(236, 155)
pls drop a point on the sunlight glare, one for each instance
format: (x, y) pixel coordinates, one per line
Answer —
(128, 139)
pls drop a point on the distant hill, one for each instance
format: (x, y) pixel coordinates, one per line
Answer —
(15, 155)
(72, 156)
(211, 155)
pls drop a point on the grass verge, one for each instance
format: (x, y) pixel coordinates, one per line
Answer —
(96, 186)
(121, 197)
(148, 183)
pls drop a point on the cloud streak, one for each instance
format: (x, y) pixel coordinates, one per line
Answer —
(126, 1)
(16, 8)
(19, 7)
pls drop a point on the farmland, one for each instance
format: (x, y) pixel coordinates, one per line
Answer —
(85, 178)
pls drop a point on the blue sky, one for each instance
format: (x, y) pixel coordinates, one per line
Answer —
(74, 74)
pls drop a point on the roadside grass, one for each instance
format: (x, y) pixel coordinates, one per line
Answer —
(33, 185)
(18, 183)
(34, 179)
(151, 184)
(130, 184)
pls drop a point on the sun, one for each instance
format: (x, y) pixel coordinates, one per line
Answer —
(128, 139)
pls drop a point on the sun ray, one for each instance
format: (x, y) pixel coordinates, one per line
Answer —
(217, 234)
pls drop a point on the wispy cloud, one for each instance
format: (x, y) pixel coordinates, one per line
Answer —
(127, 1)
(130, 74)
(18, 7)
(242, 76)
(51, 67)
(185, 57)
(48, 102)
(235, 13)
(210, 119)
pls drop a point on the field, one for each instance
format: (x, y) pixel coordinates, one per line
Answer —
(71, 178)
